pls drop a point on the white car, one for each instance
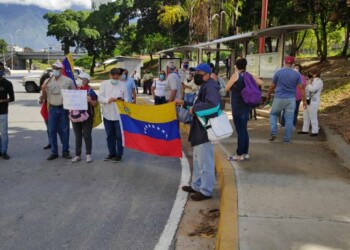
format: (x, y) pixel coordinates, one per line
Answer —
(31, 83)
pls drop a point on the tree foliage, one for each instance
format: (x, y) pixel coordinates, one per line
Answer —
(3, 46)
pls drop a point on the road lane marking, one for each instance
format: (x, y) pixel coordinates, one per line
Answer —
(170, 228)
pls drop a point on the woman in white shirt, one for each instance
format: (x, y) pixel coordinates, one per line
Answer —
(158, 88)
(313, 96)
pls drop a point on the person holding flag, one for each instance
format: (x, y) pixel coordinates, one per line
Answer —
(58, 117)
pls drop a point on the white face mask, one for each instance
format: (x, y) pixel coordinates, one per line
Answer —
(57, 72)
(79, 82)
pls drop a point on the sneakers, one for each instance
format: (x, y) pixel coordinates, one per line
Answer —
(109, 158)
(188, 189)
(117, 159)
(272, 138)
(52, 157)
(76, 159)
(199, 196)
(67, 155)
(246, 157)
(5, 156)
(88, 158)
(313, 134)
(236, 158)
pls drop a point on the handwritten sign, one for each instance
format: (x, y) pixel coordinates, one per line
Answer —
(74, 99)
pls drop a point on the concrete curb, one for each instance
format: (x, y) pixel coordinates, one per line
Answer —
(227, 237)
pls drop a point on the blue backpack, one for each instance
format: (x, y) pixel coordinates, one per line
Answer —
(251, 93)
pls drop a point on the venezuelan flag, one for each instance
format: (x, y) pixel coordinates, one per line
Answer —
(152, 129)
(68, 67)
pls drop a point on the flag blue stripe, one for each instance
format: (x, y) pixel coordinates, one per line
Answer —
(163, 131)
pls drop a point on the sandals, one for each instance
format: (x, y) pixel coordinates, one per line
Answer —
(236, 158)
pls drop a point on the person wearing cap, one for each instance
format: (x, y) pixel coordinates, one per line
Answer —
(206, 106)
(58, 117)
(84, 129)
(110, 91)
(313, 89)
(173, 86)
(6, 95)
(284, 83)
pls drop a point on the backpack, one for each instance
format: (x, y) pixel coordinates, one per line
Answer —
(251, 93)
(78, 115)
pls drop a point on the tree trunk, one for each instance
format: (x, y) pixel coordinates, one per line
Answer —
(151, 56)
(324, 55)
(92, 67)
(347, 36)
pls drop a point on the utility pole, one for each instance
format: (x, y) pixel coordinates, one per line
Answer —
(263, 25)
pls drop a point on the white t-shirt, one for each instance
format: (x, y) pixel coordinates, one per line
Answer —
(159, 87)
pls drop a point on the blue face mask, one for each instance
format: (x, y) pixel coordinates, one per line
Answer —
(161, 77)
(123, 78)
(2, 72)
(186, 66)
(114, 82)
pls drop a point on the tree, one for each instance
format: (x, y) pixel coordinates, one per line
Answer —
(171, 14)
(155, 42)
(3, 46)
(64, 26)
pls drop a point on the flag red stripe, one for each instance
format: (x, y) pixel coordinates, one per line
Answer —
(153, 146)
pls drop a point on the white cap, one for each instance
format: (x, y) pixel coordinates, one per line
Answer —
(171, 65)
(58, 64)
(84, 75)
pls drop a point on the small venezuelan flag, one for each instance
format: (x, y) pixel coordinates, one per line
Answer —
(152, 129)
(68, 67)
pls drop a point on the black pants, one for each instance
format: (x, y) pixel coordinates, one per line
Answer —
(159, 100)
(147, 87)
(83, 130)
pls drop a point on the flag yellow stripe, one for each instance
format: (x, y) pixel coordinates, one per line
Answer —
(71, 62)
(148, 113)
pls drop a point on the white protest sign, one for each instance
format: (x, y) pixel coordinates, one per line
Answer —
(74, 99)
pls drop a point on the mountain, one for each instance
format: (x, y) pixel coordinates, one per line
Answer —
(26, 25)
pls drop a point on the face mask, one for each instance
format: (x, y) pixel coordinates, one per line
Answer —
(114, 82)
(186, 66)
(57, 72)
(79, 82)
(161, 77)
(198, 79)
(123, 78)
(2, 72)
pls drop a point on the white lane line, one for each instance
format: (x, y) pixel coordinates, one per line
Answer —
(169, 231)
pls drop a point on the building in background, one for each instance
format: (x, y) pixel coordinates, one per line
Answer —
(95, 4)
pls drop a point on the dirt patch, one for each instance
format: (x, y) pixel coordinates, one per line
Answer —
(208, 227)
(335, 97)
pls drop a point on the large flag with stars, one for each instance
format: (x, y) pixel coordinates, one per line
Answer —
(68, 67)
(152, 129)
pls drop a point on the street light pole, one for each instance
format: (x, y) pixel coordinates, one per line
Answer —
(16, 42)
(11, 52)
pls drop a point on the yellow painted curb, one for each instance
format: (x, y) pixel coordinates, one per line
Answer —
(227, 237)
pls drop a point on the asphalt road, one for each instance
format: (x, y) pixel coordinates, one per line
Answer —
(61, 205)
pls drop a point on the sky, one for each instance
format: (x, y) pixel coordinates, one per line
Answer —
(51, 4)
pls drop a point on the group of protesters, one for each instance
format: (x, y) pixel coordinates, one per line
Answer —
(197, 89)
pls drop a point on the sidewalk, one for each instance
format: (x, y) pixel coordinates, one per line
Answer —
(291, 196)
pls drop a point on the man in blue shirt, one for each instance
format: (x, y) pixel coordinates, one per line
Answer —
(284, 83)
(130, 87)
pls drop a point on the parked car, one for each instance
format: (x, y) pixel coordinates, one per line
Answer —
(31, 83)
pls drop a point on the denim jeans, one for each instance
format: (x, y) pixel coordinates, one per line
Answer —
(288, 107)
(203, 178)
(4, 138)
(189, 99)
(114, 137)
(241, 123)
(296, 112)
(58, 124)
